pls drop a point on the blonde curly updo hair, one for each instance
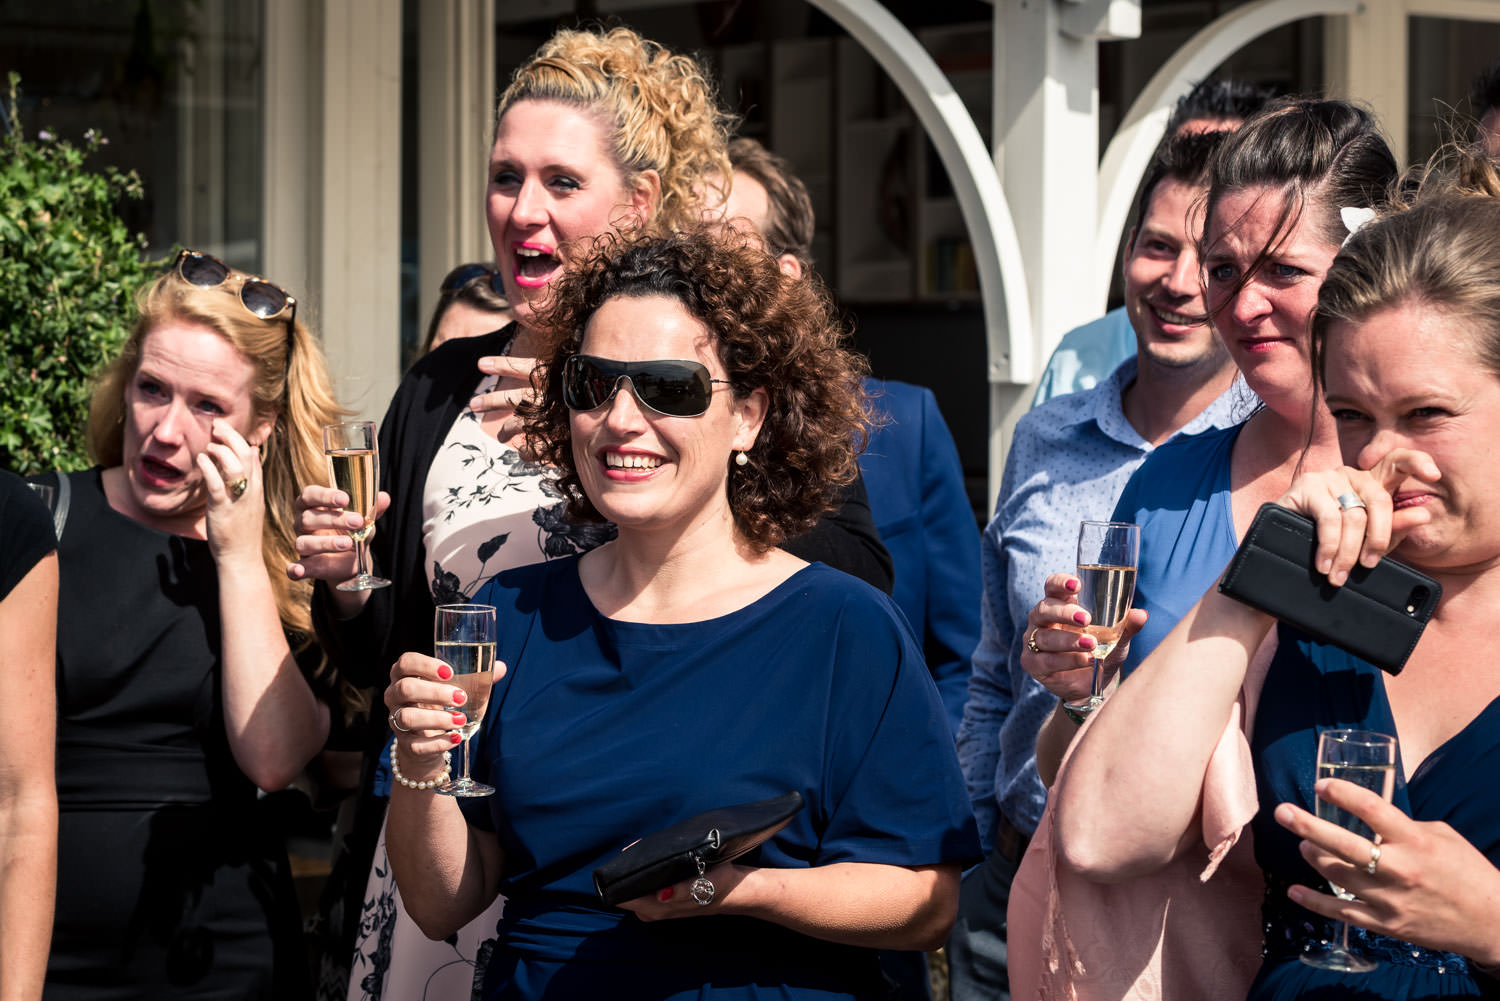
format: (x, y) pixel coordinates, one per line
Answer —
(664, 110)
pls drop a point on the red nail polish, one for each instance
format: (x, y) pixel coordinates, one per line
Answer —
(1086, 642)
(459, 719)
(445, 672)
(459, 696)
(666, 894)
(1072, 584)
(1081, 618)
(455, 738)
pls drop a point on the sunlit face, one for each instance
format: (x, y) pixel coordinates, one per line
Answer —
(1489, 133)
(1411, 377)
(747, 210)
(645, 471)
(1164, 287)
(188, 376)
(553, 180)
(1263, 319)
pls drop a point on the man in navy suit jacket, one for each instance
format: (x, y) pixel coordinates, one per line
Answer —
(910, 466)
(921, 509)
(912, 474)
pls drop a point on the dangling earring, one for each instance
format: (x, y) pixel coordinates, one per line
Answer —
(741, 459)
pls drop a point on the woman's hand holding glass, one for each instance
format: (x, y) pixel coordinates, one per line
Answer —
(323, 525)
(1057, 651)
(424, 716)
(1430, 886)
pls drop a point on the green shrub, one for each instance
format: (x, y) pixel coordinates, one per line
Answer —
(69, 269)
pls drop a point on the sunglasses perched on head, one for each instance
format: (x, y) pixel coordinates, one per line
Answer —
(259, 296)
(465, 274)
(673, 388)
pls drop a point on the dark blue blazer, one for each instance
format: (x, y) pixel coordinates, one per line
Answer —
(921, 509)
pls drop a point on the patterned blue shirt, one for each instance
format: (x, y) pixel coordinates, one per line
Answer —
(1086, 356)
(1070, 459)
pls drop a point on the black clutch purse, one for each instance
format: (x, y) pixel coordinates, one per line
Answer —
(1377, 615)
(688, 847)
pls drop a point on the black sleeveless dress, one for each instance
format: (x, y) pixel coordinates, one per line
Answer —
(170, 884)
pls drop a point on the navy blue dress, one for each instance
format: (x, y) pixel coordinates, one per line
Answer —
(1311, 688)
(603, 731)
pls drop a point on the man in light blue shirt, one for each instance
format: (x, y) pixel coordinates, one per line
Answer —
(1086, 355)
(1070, 459)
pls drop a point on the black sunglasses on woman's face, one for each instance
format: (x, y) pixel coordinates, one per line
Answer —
(670, 387)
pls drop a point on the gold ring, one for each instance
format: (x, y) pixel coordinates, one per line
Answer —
(1031, 643)
(1374, 859)
(238, 487)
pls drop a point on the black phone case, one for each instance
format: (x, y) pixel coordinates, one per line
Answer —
(1378, 614)
(674, 854)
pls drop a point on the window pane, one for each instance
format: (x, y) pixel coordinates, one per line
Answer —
(175, 88)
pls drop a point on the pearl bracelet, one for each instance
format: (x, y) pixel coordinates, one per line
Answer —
(427, 783)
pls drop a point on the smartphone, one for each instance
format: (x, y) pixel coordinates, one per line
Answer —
(1378, 614)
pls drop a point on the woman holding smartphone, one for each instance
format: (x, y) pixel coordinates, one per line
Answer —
(1282, 191)
(1406, 349)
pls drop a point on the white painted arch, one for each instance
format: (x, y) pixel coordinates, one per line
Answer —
(1129, 152)
(970, 165)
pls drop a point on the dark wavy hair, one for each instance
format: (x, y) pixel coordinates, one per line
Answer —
(1219, 99)
(1323, 155)
(770, 331)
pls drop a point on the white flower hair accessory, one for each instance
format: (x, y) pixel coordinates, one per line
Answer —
(1355, 219)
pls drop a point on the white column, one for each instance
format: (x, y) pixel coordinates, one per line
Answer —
(455, 98)
(332, 195)
(1365, 60)
(357, 186)
(1047, 151)
(290, 229)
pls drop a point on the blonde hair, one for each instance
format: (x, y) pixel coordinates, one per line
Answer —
(1436, 244)
(291, 384)
(663, 108)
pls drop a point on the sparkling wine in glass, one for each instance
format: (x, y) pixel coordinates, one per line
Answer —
(1108, 557)
(354, 468)
(464, 639)
(1367, 759)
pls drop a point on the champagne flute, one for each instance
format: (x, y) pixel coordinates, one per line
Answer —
(464, 639)
(1108, 557)
(1367, 759)
(354, 468)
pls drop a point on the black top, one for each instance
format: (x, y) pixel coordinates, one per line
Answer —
(140, 713)
(25, 531)
(172, 883)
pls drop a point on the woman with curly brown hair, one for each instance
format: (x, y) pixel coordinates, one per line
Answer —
(598, 132)
(701, 401)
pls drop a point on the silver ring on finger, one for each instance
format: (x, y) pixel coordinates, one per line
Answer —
(394, 719)
(1349, 501)
(1374, 862)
